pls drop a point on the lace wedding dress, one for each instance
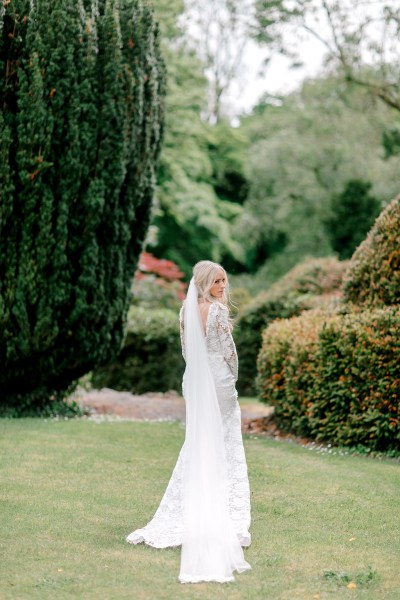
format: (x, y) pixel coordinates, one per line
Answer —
(166, 527)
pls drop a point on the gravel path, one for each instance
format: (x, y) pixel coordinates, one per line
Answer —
(148, 407)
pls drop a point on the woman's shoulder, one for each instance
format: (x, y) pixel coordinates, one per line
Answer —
(219, 310)
(221, 306)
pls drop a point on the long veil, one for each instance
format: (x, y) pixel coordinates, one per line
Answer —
(211, 549)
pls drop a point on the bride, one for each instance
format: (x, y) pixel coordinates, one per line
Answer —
(206, 506)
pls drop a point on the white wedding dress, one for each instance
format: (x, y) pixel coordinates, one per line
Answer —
(166, 527)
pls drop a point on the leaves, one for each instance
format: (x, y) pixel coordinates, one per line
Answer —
(374, 275)
(331, 377)
(81, 128)
(309, 284)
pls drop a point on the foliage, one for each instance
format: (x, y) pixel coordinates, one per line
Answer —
(317, 276)
(201, 182)
(164, 269)
(335, 377)
(373, 278)
(152, 292)
(391, 141)
(157, 283)
(227, 149)
(150, 359)
(257, 197)
(56, 405)
(305, 149)
(352, 580)
(309, 283)
(353, 213)
(81, 89)
(190, 221)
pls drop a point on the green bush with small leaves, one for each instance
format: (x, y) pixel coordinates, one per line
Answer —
(151, 358)
(373, 278)
(312, 283)
(335, 377)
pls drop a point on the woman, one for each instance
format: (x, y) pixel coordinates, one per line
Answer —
(206, 506)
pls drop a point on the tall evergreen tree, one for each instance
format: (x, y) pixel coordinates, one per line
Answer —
(81, 90)
(354, 211)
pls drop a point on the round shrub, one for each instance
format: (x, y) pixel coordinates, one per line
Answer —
(285, 364)
(317, 276)
(335, 377)
(151, 358)
(312, 283)
(373, 278)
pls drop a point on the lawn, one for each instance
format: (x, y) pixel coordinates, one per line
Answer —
(72, 490)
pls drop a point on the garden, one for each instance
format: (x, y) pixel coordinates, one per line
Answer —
(131, 147)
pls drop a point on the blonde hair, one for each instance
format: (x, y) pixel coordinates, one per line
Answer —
(204, 273)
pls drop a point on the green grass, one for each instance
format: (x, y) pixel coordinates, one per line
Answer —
(244, 400)
(72, 490)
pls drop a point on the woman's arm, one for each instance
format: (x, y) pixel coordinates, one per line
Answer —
(226, 340)
(182, 330)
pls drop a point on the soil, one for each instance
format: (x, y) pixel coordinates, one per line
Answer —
(169, 406)
(257, 419)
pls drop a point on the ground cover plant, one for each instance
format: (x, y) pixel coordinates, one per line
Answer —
(322, 522)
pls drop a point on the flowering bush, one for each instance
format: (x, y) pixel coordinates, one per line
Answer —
(163, 268)
(157, 283)
(335, 377)
(373, 278)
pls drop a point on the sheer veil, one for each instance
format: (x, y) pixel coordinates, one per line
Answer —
(211, 549)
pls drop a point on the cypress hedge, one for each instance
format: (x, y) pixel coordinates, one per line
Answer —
(81, 89)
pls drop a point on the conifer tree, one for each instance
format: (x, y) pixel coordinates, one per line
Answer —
(81, 90)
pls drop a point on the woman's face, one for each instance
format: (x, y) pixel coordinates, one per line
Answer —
(217, 289)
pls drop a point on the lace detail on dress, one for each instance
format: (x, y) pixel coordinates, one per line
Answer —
(166, 527)
(218, 327)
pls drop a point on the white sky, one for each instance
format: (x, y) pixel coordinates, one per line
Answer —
(254, 78)
(277, 77)
(280, 78)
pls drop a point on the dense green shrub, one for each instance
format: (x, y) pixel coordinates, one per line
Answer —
(373, 278)
(312, 283)
(151, 359)
(335, 377)
(81, 92)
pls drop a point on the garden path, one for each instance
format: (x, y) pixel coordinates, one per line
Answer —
(151, 406)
